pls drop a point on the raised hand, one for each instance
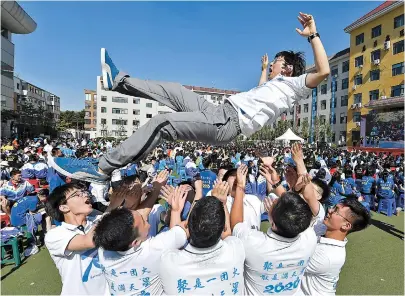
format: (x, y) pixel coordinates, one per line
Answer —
(308, 24)
(268, 204)
(166, 193)
(161, 178)
(178, 198)
(269, 173)
(265, 62)
(267, 161)
(241, 175)
(296, 153)
(220, 191)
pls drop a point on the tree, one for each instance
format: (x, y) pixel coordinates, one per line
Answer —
(305, 130)
(317, 129)
(328, 132)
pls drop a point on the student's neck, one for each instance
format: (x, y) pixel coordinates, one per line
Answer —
(76, 219)
(337, 235)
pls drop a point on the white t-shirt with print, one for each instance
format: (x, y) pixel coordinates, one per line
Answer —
(322, 273)
(81, 272)
(136, 270)
(217, 270)
(274, 264)
(263, 104)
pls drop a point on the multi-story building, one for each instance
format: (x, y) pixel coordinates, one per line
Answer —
(90, 116)
(120, 115)
(328, 102)
(14, 20)
(376, 81)
(26, 92)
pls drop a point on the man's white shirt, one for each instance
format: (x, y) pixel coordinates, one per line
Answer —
(322, 273)
(81, 272)
(217, 270)
(136, 270)
(274, 264)
(263, 104)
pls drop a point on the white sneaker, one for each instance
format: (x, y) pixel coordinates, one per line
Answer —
(31, 250)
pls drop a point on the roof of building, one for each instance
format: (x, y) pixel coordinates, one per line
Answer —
(378, 11)
(211, 90)
(15, 19)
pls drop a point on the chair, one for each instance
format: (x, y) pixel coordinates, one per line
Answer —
(401, 201)
(16, 259)
(387, 205)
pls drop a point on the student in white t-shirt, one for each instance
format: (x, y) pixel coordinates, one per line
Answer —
(212, 262)
(275, 261)
(322, 273)
(71, 245)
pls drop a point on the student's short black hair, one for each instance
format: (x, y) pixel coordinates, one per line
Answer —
(15, 172)
(295, 59)
(206, 222)
(325, 189)
(291, 215)
(57, 198)
(359, 216)
(116, 231)
(229, 173)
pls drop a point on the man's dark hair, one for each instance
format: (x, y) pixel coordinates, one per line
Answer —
(229, 173)
(295, 59)
(206, 222)
(359, 215)
(291, 215)
(15, 172)
(57, 198)
(116, 231)
(325, 189)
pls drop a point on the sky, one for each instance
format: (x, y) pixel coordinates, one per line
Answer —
(209, 44)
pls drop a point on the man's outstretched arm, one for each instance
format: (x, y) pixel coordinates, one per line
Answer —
(321, 59)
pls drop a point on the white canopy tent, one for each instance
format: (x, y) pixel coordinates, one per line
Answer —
(289, 136)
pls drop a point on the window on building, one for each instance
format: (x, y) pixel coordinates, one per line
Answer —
(103, 121)
(85, 106)
(87, 114)
(376, 31)
(345, 66)
(360, 39)
(343, 118)
(119, 100)
(334, 103)
(136, 112)
(95, 98)
(119, 111)
(88, 97)
(135, 122)
(324, 89)
(334, 71)
(103, 98)
(344, 101)
(358, 61)
(94, 121)
(398, 69)
(136, 101)
(374, 94)
(323, 104)
(160, 104)
(306, 107)
(356, 116)
(375, 55)
(103, 109)
(398, 47)
(333, 88)
(397, 90)
(148, 115)
(292, 111)
(119, 121)
(18, 86)
(148, 105)
(345, 83)
(333, 119)
(322, 119)
(357, 98)
(358, 79)
(375, 75)
(399, 21)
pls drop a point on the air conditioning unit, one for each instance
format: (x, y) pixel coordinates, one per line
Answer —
(387, 45)
(383, 97)
(358, 105)
(358, 123)
(377, 62)
(354, 87)
(353, 106)
(335, 75)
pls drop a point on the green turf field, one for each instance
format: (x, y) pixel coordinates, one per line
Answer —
(374, 264)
